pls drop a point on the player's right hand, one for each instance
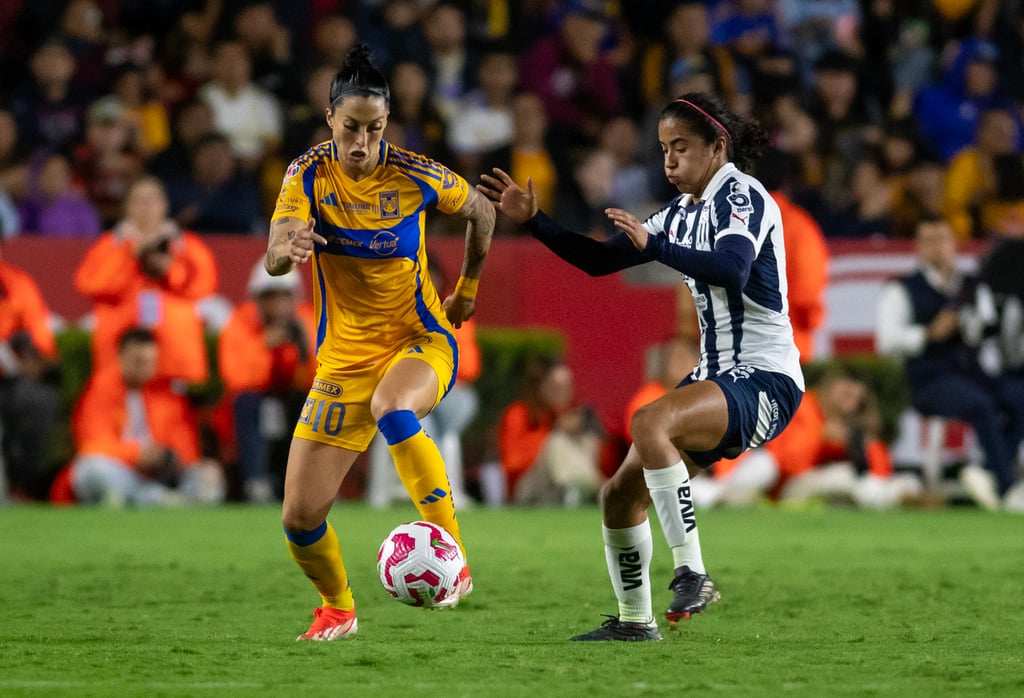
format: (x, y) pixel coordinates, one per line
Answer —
(301, 240)
(508, 197)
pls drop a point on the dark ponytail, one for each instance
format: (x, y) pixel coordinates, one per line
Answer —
(708, 117)
(359, 78)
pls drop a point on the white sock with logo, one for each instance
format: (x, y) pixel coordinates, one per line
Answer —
(628, 554)
(670, 492)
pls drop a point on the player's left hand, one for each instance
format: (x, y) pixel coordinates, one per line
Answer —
(458, 309)
(630, 225)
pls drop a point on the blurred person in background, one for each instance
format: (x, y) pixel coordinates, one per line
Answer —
(393, 30)
(215, 195)
(571, 73)
(904, 156)
(948, 110)
(247, 114)
(148, 272)
(107, 161)
(147, 116)
(136, 437)
(29, 400)
(686, 49)
(333, 36)
(922, 318)
(13, 155)
(266, 358)
(869, 210)
(53, 204)
(81, 26)
(304, 120)
(415, 123)
(48, 106)
(452, 62)
(548, 444)
(193, 121)
(833, 449)
(527, 155)
(269, 44)
(848, 120)
(749, 30)
(981, 176)
(484, 120)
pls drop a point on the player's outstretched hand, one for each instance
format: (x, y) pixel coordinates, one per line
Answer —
(458, 309)
(301, 241)
(517, 204)
(630, 225)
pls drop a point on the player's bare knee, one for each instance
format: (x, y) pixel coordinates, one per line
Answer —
(646, 425)
(297, 521)
(381, 405)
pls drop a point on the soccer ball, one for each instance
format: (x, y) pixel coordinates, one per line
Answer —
(419, 564)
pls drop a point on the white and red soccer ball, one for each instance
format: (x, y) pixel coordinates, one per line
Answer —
(419, 564)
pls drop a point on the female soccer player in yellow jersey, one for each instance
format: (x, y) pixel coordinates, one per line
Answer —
(354, 207)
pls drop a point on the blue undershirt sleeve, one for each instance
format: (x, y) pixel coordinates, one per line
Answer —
(728, 265)
(595, 257)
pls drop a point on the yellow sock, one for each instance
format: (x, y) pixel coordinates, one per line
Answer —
(318, 554)
(421, 469)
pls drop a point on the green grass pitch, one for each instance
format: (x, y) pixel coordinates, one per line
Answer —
(816, 602)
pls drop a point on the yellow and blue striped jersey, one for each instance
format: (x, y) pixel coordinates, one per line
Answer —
(371, 289)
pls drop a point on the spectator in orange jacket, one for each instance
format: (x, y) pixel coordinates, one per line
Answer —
(831, 450)
(267, 360)
(807, 256)
(28, 399)
(148, 273)
(136, 438)
(548, 445)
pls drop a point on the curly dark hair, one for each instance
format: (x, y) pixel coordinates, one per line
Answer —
(708, 117)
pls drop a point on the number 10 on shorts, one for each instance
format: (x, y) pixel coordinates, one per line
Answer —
(323, 413)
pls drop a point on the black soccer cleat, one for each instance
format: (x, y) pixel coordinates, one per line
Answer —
(693, 592)
(615, 629)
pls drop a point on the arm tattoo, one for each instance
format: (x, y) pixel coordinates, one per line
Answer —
(480, 227)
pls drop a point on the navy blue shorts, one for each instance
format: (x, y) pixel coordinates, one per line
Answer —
(761, 403)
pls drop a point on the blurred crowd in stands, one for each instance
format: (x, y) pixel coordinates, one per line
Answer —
(883, 109)
(147, 123)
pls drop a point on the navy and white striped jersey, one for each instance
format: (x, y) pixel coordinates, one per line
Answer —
(739, 327)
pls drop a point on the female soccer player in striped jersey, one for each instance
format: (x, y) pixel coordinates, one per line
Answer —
(723, 233)
(355, 207)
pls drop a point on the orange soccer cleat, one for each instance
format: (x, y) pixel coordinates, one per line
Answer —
(331, 624)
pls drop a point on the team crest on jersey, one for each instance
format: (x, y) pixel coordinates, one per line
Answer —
(384, 243)
(389, 207)
(322, 386)
(293, 169)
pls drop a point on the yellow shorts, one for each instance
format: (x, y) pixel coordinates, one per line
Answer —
(337, 409)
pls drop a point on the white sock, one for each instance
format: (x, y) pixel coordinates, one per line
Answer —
(628, 554)
(670, 492)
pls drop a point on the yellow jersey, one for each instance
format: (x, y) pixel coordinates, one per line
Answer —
(371, 289)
